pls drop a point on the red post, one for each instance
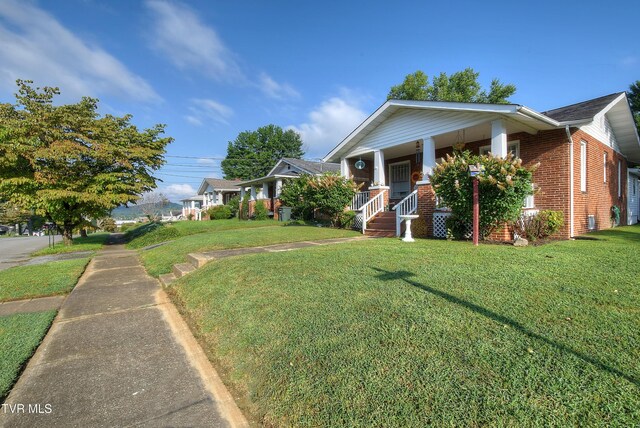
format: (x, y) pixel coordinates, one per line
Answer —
(476, 212)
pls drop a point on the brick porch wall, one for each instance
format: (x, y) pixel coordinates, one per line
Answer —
(426, 204)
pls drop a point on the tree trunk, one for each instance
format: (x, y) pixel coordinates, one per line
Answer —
(83, 233)
(67, 234)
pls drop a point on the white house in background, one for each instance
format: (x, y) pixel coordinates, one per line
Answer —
(267, 189)
(212, 192)
(633, 199)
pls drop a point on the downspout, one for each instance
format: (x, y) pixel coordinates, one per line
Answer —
(571, 173)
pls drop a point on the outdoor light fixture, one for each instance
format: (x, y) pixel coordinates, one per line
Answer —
(418, 151)
(359, 164)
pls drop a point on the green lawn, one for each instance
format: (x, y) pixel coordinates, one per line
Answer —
(385, 333)
(48, 279)
(92, 242)
(154, 233)
(20, 335)
(159, 260)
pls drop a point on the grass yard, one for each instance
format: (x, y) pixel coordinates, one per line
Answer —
(20, 335)
(92, 242)
(384, 333)
(159, 260)
(154, 233)
(48, 279)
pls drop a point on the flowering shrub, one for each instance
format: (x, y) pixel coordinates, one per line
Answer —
(504, 184)
(541, 225)
(328, 194)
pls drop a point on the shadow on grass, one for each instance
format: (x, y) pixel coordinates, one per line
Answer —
(406, 277)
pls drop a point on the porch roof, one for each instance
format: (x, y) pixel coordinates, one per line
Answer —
(266, 179)
(219, 185)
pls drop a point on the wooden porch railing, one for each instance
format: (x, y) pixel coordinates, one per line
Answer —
(371, 208)
(359, 200)
(408, 205)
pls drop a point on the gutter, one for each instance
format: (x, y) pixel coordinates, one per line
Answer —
(571, 173)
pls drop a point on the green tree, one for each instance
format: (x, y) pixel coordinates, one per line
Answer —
(70, 164)
(634, 100)
(462, 86)
(253, 153)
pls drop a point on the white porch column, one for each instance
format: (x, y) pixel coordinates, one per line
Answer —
(242, 192)
(428, 157)
(219, 200)
(265, 190)
(499, 138)
(278, 188)
(378, 168)
(344, 167)
(253, 193)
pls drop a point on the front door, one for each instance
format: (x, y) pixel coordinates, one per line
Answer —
(399, 180)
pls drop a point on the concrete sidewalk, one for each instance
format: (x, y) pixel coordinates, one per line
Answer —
(118, 354)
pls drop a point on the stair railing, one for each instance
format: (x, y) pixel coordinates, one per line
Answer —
(408, 205)
(371, 208)
(359, 200)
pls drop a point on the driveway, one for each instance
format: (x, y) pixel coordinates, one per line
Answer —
(16, 251)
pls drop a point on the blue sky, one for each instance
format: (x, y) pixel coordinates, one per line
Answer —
(211, 69)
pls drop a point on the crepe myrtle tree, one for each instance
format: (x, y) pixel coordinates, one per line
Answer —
(503, 186)
(70, 164)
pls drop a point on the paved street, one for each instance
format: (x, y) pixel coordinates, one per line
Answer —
(15, 251)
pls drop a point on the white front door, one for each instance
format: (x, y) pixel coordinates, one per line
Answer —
(399, 179)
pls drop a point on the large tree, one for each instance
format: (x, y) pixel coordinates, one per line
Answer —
(462, 86)
(634, 100)
(253, 153)
(70, 164)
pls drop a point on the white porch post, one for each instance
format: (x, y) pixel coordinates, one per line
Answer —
(499, 138)
(265, 190)
(378, 168)
(242, 192)
(428, 157)
(344, 167)
(253, 193)
(219, 200)
(278, 187)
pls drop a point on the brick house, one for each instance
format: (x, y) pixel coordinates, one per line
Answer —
(212, 192)
(267, 189)
(584, 151)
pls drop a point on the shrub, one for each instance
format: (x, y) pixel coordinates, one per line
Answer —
(419, 227)
(234, 205)
(345, 219)
(327, 194)
(503, 185)
(541, 225)
(457, 228)
(220, 212)
(243, 213)
(260, 211)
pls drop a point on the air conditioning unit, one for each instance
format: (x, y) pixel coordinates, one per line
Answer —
(591, 222)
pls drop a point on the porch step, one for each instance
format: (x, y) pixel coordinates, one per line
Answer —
(197, 259)
(181, 269)
(380, 233)
(166, 279)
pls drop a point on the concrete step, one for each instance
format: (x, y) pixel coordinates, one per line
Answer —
(166, 279)
(380, 233)
(198, 259)
(181, 269)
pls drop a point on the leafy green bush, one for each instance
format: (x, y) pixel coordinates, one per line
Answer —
(541, 225)
(345, 219)
(243, 212)
(327, 194)
(504, 184)
(219, 212)
(234, 205)
(457, 228)
(419, 227)
(260, 211)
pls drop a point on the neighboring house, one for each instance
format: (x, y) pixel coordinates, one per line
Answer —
(583, 150)
(192, 207)
(267, 189)
(212, 192)
(633, 199)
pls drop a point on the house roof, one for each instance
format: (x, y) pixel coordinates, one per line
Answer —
(199, 198)
(306, 166)
(615, 106)
(583, 110)
(219, 184)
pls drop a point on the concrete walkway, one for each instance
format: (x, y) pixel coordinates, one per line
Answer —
(119, 354)
(31, 305)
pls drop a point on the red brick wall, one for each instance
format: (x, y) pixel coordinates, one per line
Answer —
(375, 191)
(599, 196)
(426, 205)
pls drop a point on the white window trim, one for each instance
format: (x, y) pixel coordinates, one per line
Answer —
(619, 179)
(583, 166)
(605, 159)
(486, 149)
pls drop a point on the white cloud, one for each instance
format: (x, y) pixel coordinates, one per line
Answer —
(276, 90)
(35, 46)
(330, 123)
(203, 110)
(629, 60)
(179, 34)
(176, 192)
